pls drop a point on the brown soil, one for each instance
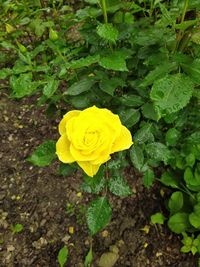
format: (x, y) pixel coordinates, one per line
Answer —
(37, 198)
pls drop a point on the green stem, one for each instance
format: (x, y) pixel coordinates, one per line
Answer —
(184, 10)
(104, 10)
(181, 33)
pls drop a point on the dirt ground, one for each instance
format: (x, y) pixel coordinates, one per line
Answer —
(47, 204)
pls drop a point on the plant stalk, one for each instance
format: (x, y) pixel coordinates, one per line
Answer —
(104, 10)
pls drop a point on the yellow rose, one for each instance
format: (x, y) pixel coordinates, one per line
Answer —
(90, 136)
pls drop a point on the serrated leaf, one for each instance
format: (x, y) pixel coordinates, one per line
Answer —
(23, 85)
(4, 73)
(194, 216)
(159, 72)
(129, 117)
(95, 184)
(148, 178)
(118, 186)
(114, 61)
(169, 180)
(51, 87)
(171, 93)
(175, 203)
(131, 100)
(158, 218)
(179, 222)
(98, 214)
(81, 101)
(62, 256)
(107, 32)
(80, 87)
(194, 138)
(137, 157)
(143, 134)
(66, 169)
(44, 154)
(83, 62)
(149, 112)
(172, 136)
(109, 85)
(193, 70)
(158, 151)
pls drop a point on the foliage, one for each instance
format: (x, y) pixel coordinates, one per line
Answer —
(62, 256)
(142, 61)
(17, 228)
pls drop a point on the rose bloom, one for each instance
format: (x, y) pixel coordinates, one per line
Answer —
(90, 136)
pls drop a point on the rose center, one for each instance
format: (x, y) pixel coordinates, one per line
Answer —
(90, 138)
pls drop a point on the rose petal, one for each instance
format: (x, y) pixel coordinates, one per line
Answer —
(63, 149)
(66, 118)
(124, 141)
(89, 168)
(76, 154)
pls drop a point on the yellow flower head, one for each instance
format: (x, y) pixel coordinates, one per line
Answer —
(90, 136)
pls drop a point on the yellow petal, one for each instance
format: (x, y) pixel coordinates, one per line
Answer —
(66, 118)
(79, 156)
(124, 141)
(102, 158)
(89, 168)
(63, 149)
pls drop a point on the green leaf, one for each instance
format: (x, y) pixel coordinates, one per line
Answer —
(88, 258)
(51, 87)
(186, 24)
(98, 214)
(158, 218)
(179, 222)
(80, 87)
(83, 62)
(175, 202)
(193, 70)
(81, 101)
(171, 93)
(5, 72)
(149, 112)
(22, 86)
(194, 217)
(159, 72)
(62, 256)
(118, 186)
(194, 138)
(129, 117)
(169, 180)
(114, 61)
(67, 169)
(107, 32)
(144, 134)
(185, 249)
(131, 100)
(17, 228)
(148, 178)
(109, 85)
(44, 154)
(158, 151)
(95, 184)
(172, 136)
(137, 157)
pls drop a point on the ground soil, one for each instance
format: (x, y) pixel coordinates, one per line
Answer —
(37, 198)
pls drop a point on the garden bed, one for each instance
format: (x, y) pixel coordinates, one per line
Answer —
(47, 204)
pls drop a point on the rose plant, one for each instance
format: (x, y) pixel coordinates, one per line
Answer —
(141, 60)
